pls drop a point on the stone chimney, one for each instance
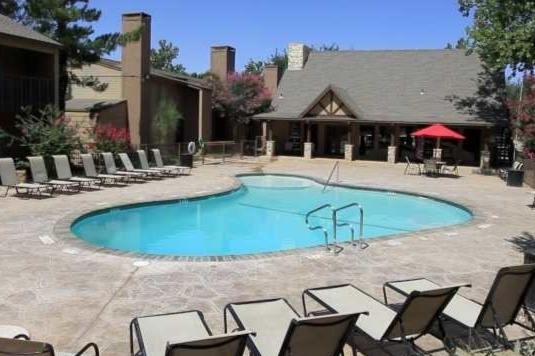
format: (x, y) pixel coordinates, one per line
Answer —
(271, 78)
(222, 61)
(136, 72)
(297, 56)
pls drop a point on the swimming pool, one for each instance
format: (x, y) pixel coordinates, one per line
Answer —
(266, 214)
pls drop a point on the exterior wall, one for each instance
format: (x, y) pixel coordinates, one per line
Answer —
(205, 108)
(105, 74)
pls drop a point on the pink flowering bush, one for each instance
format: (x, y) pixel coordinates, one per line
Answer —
(109, 138)
(523, 116)
(240, 96)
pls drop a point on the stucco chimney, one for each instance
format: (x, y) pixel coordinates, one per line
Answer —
(297, 56)
(222, 61)
(271, 78)
(136, 72)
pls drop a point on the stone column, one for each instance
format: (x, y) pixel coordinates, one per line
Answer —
(270, 148)
(309, 148)
(349, 152)
(392, 154)
(484, 161)
(437, 153)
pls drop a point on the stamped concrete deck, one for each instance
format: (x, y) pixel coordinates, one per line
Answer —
(69, 295)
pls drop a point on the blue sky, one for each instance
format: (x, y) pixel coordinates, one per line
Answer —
(257, 27)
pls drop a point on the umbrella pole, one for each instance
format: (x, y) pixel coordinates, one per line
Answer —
(438, 142)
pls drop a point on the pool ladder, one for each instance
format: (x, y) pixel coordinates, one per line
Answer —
(334, 247)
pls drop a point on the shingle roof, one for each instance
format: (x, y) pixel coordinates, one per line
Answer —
(89, 105)
(11, 28)
(185, 79)
(406, 86)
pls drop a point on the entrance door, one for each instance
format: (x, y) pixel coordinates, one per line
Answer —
(335, 139)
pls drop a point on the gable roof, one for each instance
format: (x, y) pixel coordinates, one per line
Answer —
(14, 29)
(184, 79)
(401, 86)
(338, 92)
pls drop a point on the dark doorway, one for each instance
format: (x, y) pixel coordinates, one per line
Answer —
(335, 139)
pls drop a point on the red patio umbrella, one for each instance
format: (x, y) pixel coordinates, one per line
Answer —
(438, 131)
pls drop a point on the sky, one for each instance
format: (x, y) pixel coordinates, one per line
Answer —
(256, 28)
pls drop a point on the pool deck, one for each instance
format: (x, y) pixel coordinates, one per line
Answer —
(68, 293)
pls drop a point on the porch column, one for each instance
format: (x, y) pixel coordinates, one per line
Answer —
(308, 147)
(321, 139)
(394, 142)
(270, 144)
(356, 134)
(56, 78)
(376, 134)
(349, 149)
(484, 158)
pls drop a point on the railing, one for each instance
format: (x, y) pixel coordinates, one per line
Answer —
(361, 243)
(19, 91)
(336, 249)
(336, 168)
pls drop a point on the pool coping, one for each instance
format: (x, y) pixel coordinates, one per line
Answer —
(62, 228)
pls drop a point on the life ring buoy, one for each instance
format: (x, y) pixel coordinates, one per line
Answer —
(192, 148)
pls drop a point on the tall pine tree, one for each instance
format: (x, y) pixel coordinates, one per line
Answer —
(69, 23)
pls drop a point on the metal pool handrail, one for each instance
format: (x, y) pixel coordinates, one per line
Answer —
(362, 244)
(337, 168)
(322, 228)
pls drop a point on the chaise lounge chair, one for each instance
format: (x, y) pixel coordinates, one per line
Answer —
(385, 327)
(504, 172)
(91, 171)
(144, 163)
(9, 180)
(159, 163)
(111, 168)
(63, 170)
(34, 348)
(502, 305)
(40, 175)
(185, 334)
(281, 331)
(129, 167)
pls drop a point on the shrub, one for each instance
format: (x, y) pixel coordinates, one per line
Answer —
(109, 138)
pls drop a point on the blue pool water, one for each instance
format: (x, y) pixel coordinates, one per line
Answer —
(267, 214)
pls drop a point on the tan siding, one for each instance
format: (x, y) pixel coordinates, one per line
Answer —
(105, 75)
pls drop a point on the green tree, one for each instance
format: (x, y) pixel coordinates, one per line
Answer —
(255, 67)
(503, 32)
(69, 23)
(462, 43)
(164, 57)
(166, 120)
(11, 8)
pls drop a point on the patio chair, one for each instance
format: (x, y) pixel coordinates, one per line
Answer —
(504, 301)
(35, 348)
(9, 180)
(281, 331)
(91, 171)
(184, 333)
(144, 163)
(454, 169)
(129, 167)
(430, 167)
(111, 168)
(63, 171)
(384, 327)
(411, 167)
(159, 163)
(40, 175)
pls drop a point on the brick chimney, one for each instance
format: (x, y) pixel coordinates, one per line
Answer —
(222, 61)
(297, 56)
(271, 78)
(136, 72)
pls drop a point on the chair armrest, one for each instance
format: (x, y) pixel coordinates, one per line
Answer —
(21, 337)
(89, 346)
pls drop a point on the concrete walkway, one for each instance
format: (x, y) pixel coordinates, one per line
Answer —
(69, 295)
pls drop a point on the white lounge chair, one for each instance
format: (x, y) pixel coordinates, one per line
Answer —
(129, 167)
(182, 334)
(35, 348)
(111, 168)
(504, 301)
(281, 331)
(159, 163)
(63, 171)
(504, 172)
(40, 175)
(384, 327)
(91, 171)
(144, 163)
(9, 180)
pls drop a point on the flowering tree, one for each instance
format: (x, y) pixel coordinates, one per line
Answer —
(523, 116)
(240, 96)
(109, 138)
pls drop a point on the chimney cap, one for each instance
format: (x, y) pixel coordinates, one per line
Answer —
(271, 65)
(136, 14)
(223, 48)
